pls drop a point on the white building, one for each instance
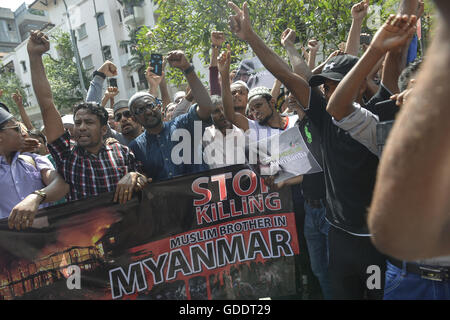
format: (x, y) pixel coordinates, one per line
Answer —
(99, 26)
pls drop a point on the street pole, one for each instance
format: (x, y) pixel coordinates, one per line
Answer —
(77, 55)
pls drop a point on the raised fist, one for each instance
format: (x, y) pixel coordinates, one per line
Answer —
(38, 43)
(177, 59)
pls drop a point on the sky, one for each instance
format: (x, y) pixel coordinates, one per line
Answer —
(13, 4)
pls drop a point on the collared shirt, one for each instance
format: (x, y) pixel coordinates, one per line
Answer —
(154, 151)
(88, 174)
(19, 179)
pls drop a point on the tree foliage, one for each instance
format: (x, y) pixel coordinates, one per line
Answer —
(187, 24)
(62, 73)
(9, 83)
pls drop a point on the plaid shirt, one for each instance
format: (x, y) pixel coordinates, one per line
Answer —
(88, 174)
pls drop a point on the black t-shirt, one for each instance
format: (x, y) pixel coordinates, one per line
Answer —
(349, 168)
(382, 105)
(313, 185)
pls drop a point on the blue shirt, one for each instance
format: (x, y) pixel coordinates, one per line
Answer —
(154, 151)
(19, 179)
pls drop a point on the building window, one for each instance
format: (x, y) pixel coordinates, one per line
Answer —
(82, 33)
(133, 85)
(120, 15)
(107, 53)
(87, 62)
(24, 66)
(9, 27)
(101, 20)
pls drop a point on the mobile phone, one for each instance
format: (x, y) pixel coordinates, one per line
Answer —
(156, 61)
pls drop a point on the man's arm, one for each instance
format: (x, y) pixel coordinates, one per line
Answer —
(395, 60)
(235, 118)
(217, 39)
(241, 26)
(94, 94)
(313, 46)
(18, 100)
(178, 60)
(109, 95)
(409, 215)
(22, 215)
(298, 63)
(393, 34)
(359, 12)
(38, 44)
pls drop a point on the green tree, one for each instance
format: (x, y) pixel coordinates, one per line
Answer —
(186, 25)
(9, 83)
(62, 72)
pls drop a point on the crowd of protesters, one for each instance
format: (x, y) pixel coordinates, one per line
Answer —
(121, 146)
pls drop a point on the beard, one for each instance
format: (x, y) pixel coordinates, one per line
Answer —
(264, 121)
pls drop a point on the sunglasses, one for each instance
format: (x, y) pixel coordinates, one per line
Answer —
(118, 116)
(140, 110)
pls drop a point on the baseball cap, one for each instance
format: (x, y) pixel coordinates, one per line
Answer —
(240, 82)
(5, 116)
(335, 69)
(178, 95)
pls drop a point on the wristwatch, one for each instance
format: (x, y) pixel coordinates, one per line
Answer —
(41, 193)
(98, 73)
(189, 70)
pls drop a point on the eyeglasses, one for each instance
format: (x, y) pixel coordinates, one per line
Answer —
(118, 116)
(140, 110)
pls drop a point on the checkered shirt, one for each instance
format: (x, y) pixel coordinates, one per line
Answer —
(88, 174)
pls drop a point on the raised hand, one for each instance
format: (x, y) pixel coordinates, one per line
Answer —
(313, 45)
(111, 92)
(240, 23)
(394, 33)
(359, 10)
(153, 79)
(288, 37)
(217, 38)
(109, 69)
(177, 59)
(224, 61)
(38, 43)
(17, 98)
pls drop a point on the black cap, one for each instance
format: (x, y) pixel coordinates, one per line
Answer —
(335, 69)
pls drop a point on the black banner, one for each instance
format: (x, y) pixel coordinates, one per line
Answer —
(221, 234)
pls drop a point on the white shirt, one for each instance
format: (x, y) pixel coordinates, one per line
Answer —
(223, 150)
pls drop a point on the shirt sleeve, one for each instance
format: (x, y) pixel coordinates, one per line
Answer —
(214, 81)
(60, 150)
(361, 124)
(95, 91)
(42, 162)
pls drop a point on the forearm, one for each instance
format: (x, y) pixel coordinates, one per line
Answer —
(280, 69)
(95, 91)
(50, 115)
(341, 102)
(25, 118)
(56, 187)
(165, 96)
(104, 100)
(298, 63)
(353, 40)
(275, 92)
(201, 95)
(312, 60)
(227, 98)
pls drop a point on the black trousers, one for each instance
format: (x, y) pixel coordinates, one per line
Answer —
(349, 262)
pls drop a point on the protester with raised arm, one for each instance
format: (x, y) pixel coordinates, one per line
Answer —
(154, 147)
(115, 167)
(359, 12)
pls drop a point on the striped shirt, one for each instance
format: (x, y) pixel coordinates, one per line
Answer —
(88, 174)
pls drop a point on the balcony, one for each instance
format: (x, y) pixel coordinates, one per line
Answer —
(133, 16)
